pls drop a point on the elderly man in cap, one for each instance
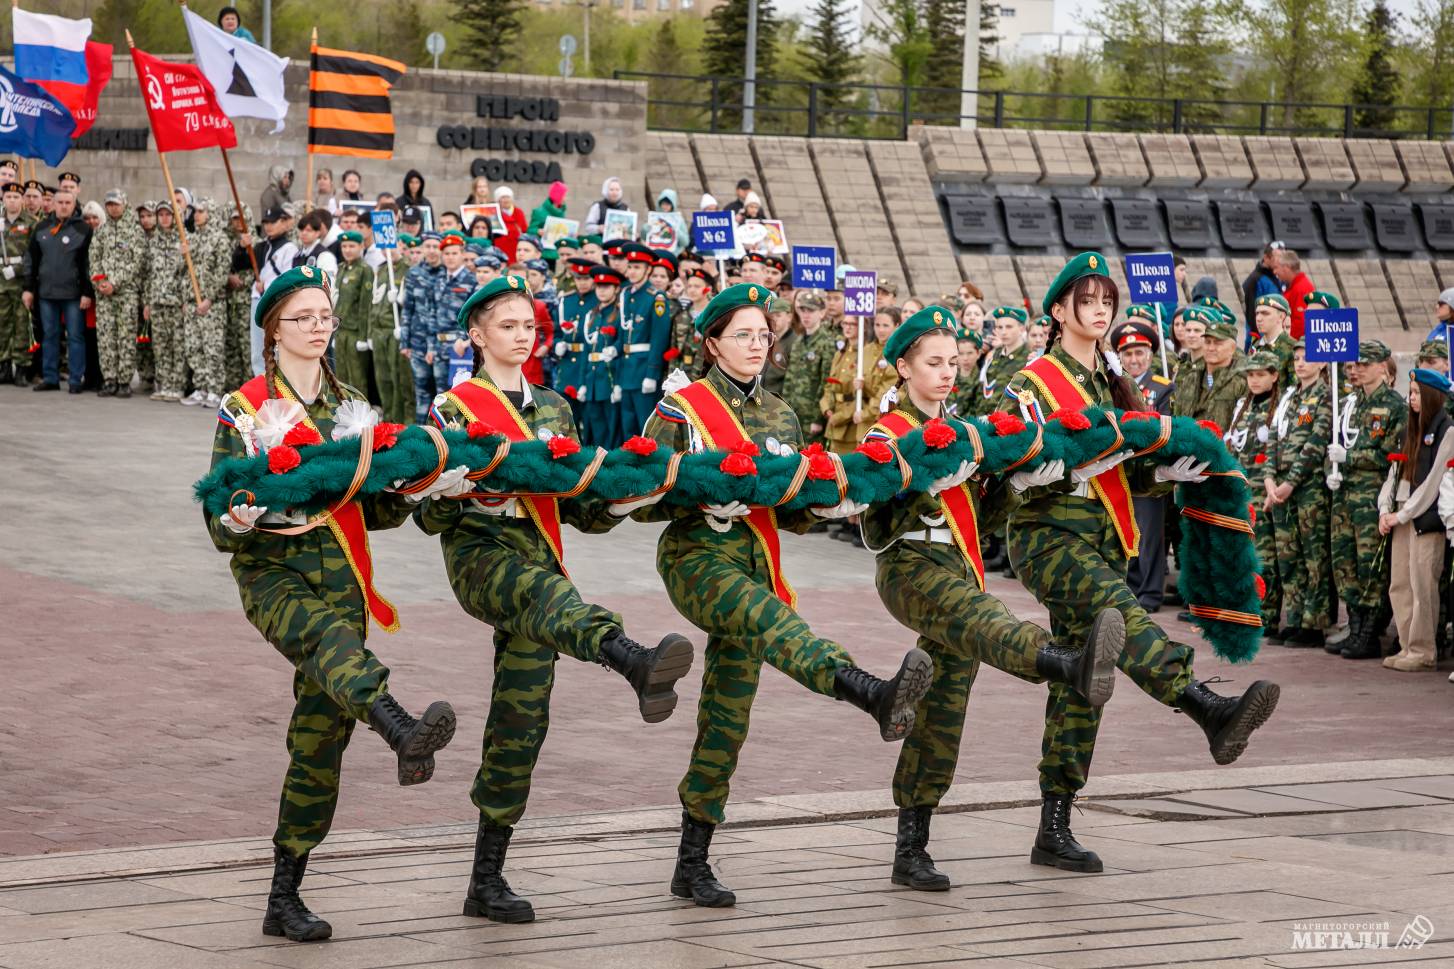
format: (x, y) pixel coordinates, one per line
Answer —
(1214, 387)
(15, 327)
(1137, 343)
(118, 265)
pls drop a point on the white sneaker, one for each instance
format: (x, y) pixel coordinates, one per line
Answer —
(194, 398)
(213, 400)
(1451, 677)
(159, 395)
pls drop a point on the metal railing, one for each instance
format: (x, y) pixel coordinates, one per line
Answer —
(688, 102)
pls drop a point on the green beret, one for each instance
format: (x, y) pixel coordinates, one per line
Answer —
(1261, 360)
(1205, 315)
(504, 284)
(1275, 300)
(1044, 319)
(1085, 264)
(1373, 351)
(587, 240)
(1320, 298)
(1011, 312)
(568, 242)
(408, 241)
(972, 334)
(1141, 311)
(927, 319)
(734, 298)
(1221, 330)
(290, 282)
(351, 236)
(1436, 349)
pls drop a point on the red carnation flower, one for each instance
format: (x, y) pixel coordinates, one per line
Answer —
(571, 392)
(1397, 457)
(746, 447)
(939, 434)
(567, 327)
(1251, 514)
(608, 331)
(481, 429)
(821, 468)
(738, 465)
(876, 451)
(1005, 424)
(560, 446)
(283, 458)
(386, 435)
(1211, 426)
(671, 354)
(1071, 420)
(1449, 463)
(1260, 459)
(1140, 415)
(640, 445)
(1261, 586)
(301, 436)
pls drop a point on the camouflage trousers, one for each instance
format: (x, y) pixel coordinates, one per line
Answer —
(517, 587)
(1301, 526)
(395, 380)
(1076, 568)
(166, 347)
(204, 337)
(350, 363)
(1361, 579)
(318, 623)
(116, 336)
(237, 339)
(1264, 537)
(15, 329)
(929, 588)
(722, 585)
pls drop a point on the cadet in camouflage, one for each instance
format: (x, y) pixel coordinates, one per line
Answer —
(1211, 392)
(15, 331)
(1249, 437)
(351, 352)
(165, 292)
(117, 269)
(392, 374)
(1011, 351)
(237, 346)
(809, 363)
(205, 324)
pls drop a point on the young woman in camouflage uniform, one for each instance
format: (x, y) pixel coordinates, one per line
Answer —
(809, 362)
(722, 571)
(1069, 541)
(309, 591)
(931, 578)
(164, 292)
(505, 563)
(1249, 437)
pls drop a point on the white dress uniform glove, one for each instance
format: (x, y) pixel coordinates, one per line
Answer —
(242, 518)
(609, 354)
(959, 477)
(1337, 453)
(360, 345)
(1047, 474)
(847, 508)
(451, 482)
(1186, 469)
(648, 386)
(398, 333)
(1101, 466)
(623, 508)
(720, 516)
(616, 394)
(561, 348)
(581, 395)
(1334, 480)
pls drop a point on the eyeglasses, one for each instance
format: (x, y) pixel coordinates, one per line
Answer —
(747, 338)
(309, 322)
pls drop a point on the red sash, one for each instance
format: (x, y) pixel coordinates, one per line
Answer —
(1058, 387)
(480, 400)
(346, 522)
(956, 503)
(720, 430)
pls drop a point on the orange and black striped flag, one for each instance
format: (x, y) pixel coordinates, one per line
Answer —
(348, 103)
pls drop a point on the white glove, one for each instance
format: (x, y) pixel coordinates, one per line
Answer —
(847, 508)
(1048, 473)
(1450, 537)
(398, 333)
(609, 354)
(648, 386)
(1335, 480)
(399, 296)
(505, 508)
(360, 345)
(561, 348)
(1337, 453)
(1101, 466)
(720, 516)
(242, 518)
(959, 477)
(451, 482)
(623, 508)
(1186, 469)
(616, 394)
(581, 395)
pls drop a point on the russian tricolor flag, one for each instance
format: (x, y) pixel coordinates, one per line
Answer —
(51, 51)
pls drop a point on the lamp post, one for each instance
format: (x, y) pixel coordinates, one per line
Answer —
(749, 83)
(969, 78)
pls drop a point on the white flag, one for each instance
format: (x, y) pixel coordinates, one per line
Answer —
(248, 79)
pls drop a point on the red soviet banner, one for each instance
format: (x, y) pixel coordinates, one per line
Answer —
(181, 105)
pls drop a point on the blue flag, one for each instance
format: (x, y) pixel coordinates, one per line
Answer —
(33, 124)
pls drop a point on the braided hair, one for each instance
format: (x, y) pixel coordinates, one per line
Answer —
(1124, 392)
(271, 322)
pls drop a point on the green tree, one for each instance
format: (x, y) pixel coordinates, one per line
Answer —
(1139, 50)
(1201, 57)
(1377, 87)
(944, 67)
(494, 28)
(830, 55)
(724, 54)
(991, 68)
(1430, 58)
(1305, 44)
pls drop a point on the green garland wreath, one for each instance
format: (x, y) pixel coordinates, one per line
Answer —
(1220, 566)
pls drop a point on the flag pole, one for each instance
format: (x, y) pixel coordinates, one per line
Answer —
(308, 186)
(172, 197)
(237, 200)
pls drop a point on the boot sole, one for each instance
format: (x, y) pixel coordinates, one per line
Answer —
(276, 930)
(673, 661)
(1257, 705)
(436, 730)
(916, 675)
(1039, 856)
(476, 910)
(727, 900)
(1107, 642)
(908, 882)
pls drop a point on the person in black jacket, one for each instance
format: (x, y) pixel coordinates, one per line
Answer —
(413, 193)
(58, 279)
(1259, 282)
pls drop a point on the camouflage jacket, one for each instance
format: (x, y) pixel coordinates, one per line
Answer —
(839, 395)
(1373, 429)
(997, 373)
(381, 317)
(775, 366)
(1210, 395)
(685, 340)
(211, 248)
(118, 251)
(421, 285)
(807, 376)
(1249, 433)
(966, 400)
(355, 286)
(1282, 347)
(1302, 423)
(16, 245)
(166, 281)
(887, 521)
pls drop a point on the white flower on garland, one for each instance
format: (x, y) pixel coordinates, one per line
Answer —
(275, 418)
(351, 417)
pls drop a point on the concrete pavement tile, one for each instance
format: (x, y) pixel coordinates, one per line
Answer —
(1161, 809)
(1437, 785)
(836, 910)
(1340, 858)
(1189, 832)
(234, 882)
(659, 955)
(372, 953)
(938, 957)
(1250, 801)
(1142, 886)
(78, 923)
(800, 836)
(1138, 857)
(117, 951)
(1256, 906)
(1154, 946)
(1354, 794)
(1440, 953)
(1412, 842)
(90, 895)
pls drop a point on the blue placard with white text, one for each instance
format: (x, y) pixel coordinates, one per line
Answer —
(1331, 336)
(714, 232)
(386, 234)
(1151, 277)
(814, 267)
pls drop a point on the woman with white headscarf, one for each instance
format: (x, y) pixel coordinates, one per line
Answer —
(612, 197)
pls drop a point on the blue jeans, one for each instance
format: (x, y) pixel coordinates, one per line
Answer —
(53, 314)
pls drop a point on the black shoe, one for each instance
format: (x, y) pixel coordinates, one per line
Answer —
(912, 865)
(1228, 721)
(489, 895)
(1272, 635)
(1305, 639)
(1361, 644)
(996, 562)
(651, 672)
(73, 389)
(39, 388)
(1009, 571)
(890, 702)
(1173, 597)
(1089, 670)
(123, 390)
(693, 876)
(1286, 633)
(856, 539)
(1186, 617)
(415, 741)
(286, 914)
(20, 379)
(7, 372)
(108, 389)
(1055, 843)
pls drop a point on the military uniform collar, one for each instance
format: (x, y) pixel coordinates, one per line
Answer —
(526, 403)
(1077, 370)
(728, 389)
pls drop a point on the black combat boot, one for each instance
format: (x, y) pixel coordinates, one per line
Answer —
(415, 741)
(1055, 843)
(108, 389)
(890, 702)
(7, 372)
(1228, 720)
(123, 390)
(1089, 670)
(651, 672)
(693, 876)
(1305, 638)
(912, 865)
(286, 915)
(1362, 643)
(1355, 623)
(489, 895)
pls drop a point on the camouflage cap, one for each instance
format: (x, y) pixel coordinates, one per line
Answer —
(1434, 350)
(1261, 360)
(1373, 351)
(1221, 330)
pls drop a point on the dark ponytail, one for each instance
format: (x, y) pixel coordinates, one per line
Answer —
(1125, 395)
